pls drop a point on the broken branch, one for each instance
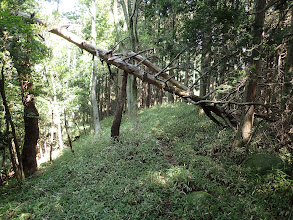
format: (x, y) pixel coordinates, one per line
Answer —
(175, 58)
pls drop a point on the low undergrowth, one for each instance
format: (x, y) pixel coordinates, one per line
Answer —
(170, 164)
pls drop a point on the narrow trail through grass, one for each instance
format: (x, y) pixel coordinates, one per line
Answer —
(169, 164)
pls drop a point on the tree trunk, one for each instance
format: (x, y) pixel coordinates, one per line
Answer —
(253, 69)
(67, 132)
(52, 130)
(170, 95)
(186, 77)
(115, 129)
(288, 74)
(31, 136)
(129, 11)
(4, 160)
(18, 168)
(29, 150)
(205, 64)
(96, 119)
(57, 117)
(108, 95)
(148, 96)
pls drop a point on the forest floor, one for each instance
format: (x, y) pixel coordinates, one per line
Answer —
(172, 163)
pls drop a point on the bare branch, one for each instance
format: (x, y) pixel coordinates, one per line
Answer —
(175, 58)
(140, 62)
(214, 67)
(235, 103)
(140, 52)
(119, 42)
(153, 68)
(207, 95)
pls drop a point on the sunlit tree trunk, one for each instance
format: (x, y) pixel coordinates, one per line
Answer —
(52, 129)
(96, 119)
(129, 10)
(186, 77)
(56, 108)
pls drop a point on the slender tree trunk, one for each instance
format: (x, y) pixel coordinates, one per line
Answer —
(149, 96)
(186, 77)
(45, 140)
(223, 69)
(170, 95)
(4, 161)
(108, 93)
(254, 69)
(52, 130)
(205, 64)
(115, 129)
(129, 10)
(288, 74)
(67, 132)
(96, 119)
(15, 165)
(56, 107)
(18, 168)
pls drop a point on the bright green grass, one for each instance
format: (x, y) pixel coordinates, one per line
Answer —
(171, 153)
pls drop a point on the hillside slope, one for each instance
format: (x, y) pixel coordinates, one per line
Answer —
(171, 164)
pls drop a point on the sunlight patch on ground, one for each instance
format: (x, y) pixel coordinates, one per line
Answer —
(46, 157)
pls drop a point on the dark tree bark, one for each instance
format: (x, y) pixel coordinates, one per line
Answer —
(17, 167)
(253, 69)
(115, 129)
(31, 136)
(21, 59)
(67, 132)
(170, 95)
(288, 91)
(148, 96)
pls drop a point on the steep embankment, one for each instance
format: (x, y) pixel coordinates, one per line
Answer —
(171, 164)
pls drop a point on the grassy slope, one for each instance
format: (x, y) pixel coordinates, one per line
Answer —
(152, 173)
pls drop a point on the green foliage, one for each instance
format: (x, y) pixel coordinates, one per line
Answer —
(263, 163)
(171, 164)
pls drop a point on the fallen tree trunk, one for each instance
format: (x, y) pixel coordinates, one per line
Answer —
(170, 85)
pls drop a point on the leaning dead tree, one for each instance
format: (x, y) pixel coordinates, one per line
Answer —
(153, 74)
